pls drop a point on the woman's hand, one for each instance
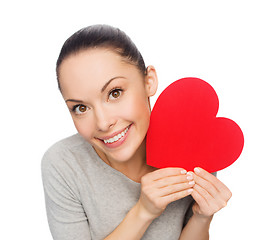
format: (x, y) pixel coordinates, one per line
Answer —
(161, 187)
(209, 193)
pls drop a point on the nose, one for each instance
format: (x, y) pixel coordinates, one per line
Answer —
(104, 119)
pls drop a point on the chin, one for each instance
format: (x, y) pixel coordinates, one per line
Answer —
(131, 146)
(121, 156)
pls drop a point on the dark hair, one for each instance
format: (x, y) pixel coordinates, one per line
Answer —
(101, 36)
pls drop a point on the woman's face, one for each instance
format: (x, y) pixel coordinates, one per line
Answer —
(108, 101)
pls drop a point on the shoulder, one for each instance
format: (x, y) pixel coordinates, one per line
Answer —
(67, 143)
(63, 152)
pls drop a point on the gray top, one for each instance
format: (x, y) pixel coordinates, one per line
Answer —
(87, 199)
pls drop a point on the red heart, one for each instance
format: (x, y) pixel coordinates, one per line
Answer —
(185, 132)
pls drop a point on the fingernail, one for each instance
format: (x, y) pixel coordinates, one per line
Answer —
(191, 182)
(190, 190)
(196, 170)
(183, 172)
(189, 176)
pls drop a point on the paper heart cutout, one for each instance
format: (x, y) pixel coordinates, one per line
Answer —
(185, 132)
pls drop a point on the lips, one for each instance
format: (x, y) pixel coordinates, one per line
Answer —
(116, 138)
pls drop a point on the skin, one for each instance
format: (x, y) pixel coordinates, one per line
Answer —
(105, 95)
(82, 78)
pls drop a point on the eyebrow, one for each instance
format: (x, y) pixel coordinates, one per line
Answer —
(107, 83)
(74, 100)
(102, 90)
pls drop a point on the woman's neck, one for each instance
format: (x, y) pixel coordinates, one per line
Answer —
(135, 167)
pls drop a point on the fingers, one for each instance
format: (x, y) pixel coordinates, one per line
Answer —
(163, 186)
(211, 183)
(207, 204)
(205, 184)
(173, 181)
(164, 172)
(203, 200)
(176, 196)
(181, 178)
(175, 188)
(209, 192)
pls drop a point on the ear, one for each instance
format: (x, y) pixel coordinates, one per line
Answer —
(151, 81)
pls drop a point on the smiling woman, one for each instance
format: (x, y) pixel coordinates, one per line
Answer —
(114, 96)
(97, 183)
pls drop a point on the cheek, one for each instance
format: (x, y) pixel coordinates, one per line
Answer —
(84, 127)
(139, 110)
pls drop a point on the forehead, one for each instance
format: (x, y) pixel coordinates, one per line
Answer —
(91, 69)
(92, 61)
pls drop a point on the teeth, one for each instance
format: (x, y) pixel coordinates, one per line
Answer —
(117, 137)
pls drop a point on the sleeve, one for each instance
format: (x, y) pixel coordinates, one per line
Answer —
(189, 212)
(66, 216)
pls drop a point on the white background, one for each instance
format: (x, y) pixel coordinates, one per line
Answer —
(230, 44)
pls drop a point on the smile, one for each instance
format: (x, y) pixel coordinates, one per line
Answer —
(117, 137)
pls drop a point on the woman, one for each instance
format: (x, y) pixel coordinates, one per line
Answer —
(97, 183)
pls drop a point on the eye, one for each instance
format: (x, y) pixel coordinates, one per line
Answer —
(115, 93)
(79, 109)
